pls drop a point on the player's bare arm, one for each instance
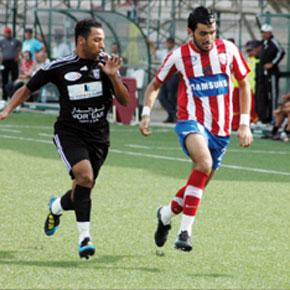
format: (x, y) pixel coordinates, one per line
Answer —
(244, 132)
(150, 96)
(111, 67)
(20, 96)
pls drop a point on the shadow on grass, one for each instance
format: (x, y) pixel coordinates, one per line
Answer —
(7, 254)
(99, 262)
(211, 275)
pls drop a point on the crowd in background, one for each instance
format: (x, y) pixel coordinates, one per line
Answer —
(20, 60)
(263, 58)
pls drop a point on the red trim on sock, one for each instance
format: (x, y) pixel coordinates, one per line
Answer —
(175, 207)
(180, 192)
(190, 205)
(197, 179)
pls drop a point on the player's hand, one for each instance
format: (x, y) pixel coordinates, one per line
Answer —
(112, 65)
(144, 126)
(3, 115)
(245, 136)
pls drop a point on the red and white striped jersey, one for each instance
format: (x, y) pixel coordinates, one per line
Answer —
(205, 87)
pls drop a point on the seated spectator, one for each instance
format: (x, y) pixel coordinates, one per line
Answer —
(25, 73)
(280, 115)
(26, 67)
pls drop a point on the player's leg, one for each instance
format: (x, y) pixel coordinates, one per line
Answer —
(85, 173)
(167, 212)
(72, 150)
(84, 180)
(197, 147)
(176, 205)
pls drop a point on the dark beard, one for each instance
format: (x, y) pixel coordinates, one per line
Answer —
(197, 45)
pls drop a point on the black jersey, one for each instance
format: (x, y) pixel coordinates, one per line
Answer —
(85, 95)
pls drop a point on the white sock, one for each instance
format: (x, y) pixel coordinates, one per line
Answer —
(186, 223)
(166, 214)
(56, 207)
(84, 230)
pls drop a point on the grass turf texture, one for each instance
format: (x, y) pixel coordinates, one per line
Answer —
(240, 238)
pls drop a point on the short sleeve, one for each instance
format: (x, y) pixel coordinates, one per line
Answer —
(240, 66)
(39, 79)
(167, 68)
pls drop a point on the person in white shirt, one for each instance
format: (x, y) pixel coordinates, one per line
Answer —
(61, 48)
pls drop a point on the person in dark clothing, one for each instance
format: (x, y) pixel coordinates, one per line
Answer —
(10, 48)
(168, 93)
(87, 81)
(268, 88)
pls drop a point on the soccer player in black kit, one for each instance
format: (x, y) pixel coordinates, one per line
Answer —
(87, 80)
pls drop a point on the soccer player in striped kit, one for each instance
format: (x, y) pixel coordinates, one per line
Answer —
(204, 65)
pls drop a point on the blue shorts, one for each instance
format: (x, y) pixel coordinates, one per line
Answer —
(217, 145)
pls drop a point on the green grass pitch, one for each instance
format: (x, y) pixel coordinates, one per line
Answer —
(240, 238)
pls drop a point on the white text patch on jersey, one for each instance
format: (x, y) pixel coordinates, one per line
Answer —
(85, 91)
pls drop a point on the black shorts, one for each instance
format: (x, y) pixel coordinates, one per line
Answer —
(74, 148)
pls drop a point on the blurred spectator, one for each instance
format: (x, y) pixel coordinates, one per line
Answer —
(152, 49)
(31, 44)
(267, 94)
(169, 45)
(252, 50)
(25, 73)
(61, 48)
(10, 49)
(41, 59)
(252, 60)
(116, 49)
(280, 115)
(168, 92)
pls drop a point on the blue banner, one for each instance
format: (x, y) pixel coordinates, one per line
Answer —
(210, 85)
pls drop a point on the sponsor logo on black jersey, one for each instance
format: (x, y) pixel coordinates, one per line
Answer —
(72, 76)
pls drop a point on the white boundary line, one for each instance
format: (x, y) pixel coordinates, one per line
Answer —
(25, 126)
(26, 139)
(10, 130)
(187, 160)
(160, 157)
(171, 148)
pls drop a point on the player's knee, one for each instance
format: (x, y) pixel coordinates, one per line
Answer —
(204, 165)
(85, 179)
